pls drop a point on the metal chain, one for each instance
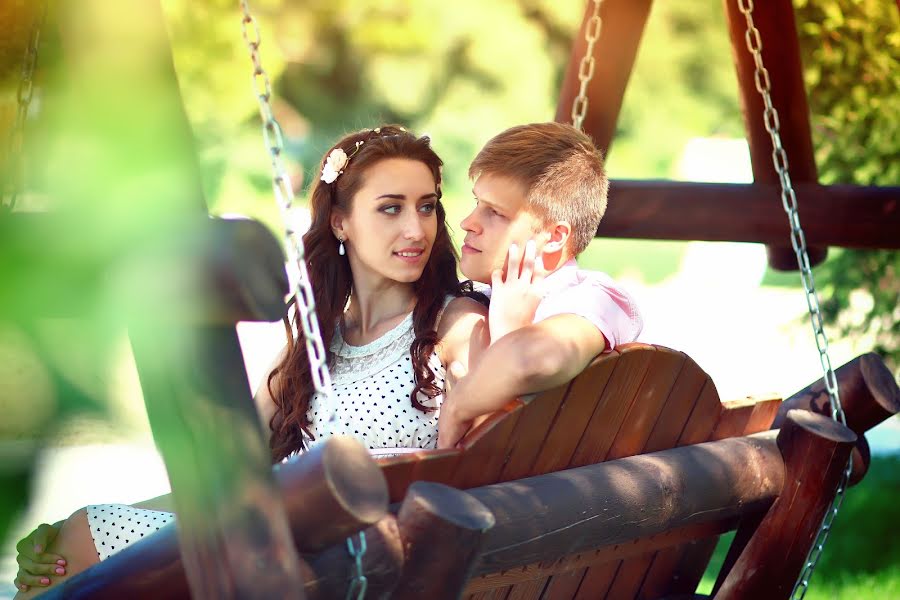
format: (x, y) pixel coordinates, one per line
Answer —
(284, 195)
(586, 67)
(798, 241)
(357, 588)
(13, 169)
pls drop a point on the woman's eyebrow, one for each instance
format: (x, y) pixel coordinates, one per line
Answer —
(403, 197)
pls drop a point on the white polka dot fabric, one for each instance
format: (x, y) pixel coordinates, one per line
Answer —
(115, 526)
(372, 387)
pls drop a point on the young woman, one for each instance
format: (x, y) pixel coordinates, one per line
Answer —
(392, 313)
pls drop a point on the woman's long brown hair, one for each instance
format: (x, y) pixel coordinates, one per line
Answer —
(290, 383)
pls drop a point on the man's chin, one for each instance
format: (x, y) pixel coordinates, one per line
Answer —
(469, 271)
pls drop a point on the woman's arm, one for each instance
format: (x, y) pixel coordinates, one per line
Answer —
(462, 335)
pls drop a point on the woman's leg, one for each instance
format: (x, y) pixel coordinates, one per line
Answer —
(75, 543)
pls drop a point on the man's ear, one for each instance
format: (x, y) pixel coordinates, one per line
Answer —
(559, 237)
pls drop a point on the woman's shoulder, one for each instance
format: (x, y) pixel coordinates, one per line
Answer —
(460, 306)
(463, 321)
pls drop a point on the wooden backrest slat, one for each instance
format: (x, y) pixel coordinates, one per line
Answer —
(527, 590)
(641, 417)
(677, 410)
(482, 461)
(563, 586)
(597, 580)
(704, 416)
(397, 472)
(659, 573)
(691, 564)
(436, 465)
(630, 576)
(574, 416)
(620, 392)
(531, 433)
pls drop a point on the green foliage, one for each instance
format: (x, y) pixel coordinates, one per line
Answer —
(851, 53)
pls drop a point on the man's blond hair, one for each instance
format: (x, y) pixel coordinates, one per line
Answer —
(561, 170)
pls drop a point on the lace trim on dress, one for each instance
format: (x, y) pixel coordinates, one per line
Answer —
(362, 365)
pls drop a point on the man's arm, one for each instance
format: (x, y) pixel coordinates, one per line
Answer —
(532, 359)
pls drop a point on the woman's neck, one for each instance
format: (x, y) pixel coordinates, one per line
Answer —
(372, 311)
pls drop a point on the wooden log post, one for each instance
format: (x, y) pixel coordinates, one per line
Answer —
(441, 529)
(427, 551)
(781, 55)
(869, 395)
(614, 54)
(382, 564)
(815, 451)
(332, 491)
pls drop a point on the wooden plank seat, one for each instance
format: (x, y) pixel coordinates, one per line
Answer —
(638, 399)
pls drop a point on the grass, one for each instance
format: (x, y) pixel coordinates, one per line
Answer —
(862, 556)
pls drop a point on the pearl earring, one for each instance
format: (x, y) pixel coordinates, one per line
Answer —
(341, 250)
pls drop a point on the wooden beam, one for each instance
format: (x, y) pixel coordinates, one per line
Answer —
(816, 450)
(835, 215)
(781, 56)
(441, 529)
(547, 517)
(614, 54)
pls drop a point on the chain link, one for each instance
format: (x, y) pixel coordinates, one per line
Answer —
(798, 242)
(586, 67)
(13, 168)
(284, 196)
(357, 588)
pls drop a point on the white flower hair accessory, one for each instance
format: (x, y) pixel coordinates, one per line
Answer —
(336, 161)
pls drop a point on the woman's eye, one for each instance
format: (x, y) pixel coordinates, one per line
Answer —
(393, 209)
(427, 208)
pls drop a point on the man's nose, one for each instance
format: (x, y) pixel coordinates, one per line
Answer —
(470, 223)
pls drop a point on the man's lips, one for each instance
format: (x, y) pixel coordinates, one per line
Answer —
(469, 249)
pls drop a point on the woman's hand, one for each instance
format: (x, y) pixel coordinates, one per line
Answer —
(515, 297)
(35, 564)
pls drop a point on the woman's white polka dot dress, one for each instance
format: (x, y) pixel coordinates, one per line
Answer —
(372, 385)
(115, 526)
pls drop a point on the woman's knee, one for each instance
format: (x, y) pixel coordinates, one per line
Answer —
(75, 543)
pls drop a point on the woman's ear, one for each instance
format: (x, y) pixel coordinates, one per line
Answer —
(337, 225)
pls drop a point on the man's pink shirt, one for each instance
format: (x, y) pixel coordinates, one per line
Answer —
(594, 296)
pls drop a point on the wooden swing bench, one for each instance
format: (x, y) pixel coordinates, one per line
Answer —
(615, 485)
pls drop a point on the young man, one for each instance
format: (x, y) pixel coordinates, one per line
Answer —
(541, 187)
